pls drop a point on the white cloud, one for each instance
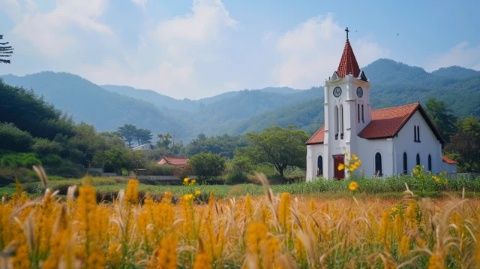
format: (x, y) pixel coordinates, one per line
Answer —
(50, 33)
(462, 54)
(141, 3)
(310, 52)
(172, 55)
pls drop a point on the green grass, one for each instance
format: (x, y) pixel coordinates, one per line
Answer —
(379, 187)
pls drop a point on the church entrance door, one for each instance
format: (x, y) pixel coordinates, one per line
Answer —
(337, 160)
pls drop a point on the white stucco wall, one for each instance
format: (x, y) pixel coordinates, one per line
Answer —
(429, 144)
(313, 151)
(366, 149)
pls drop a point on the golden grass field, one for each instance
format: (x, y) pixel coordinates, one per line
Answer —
(268, 231)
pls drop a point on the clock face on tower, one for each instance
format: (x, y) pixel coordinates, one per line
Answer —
(359, 92)
(337, 91)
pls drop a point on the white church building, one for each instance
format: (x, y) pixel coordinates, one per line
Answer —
(388, 141)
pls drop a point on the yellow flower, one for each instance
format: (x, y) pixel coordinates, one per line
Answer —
(197, 192)
(187, 197)
(353, 186)
(341, 167)
(193, 182)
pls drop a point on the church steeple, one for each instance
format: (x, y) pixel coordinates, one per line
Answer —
(348, 63)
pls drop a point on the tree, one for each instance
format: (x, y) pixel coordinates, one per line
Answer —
(223, 145)
(6, 51)
(465, 145)
(143, 136)
(12, 138)
(443, 117)
(128, 132)
(206, 165)
(281, 147)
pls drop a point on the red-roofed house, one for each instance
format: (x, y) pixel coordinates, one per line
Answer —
(388, 141)
(173, 161)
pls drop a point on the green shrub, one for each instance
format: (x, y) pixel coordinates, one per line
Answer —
(154, 169)
(12, 138)
(207, 165)
(19, 160)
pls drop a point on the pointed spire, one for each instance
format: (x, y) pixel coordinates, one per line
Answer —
(348, 63)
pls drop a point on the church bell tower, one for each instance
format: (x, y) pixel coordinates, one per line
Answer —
(347, 108)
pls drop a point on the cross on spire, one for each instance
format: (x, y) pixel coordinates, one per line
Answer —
(346, 31)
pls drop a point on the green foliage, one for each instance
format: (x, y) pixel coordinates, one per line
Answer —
(207, 165)
(31, 114)
(465, 145)
(442, 117)
(15, 160)
(12, 138)
(224, 145)
(152, 168)
(131, 133)
(238, 169)
(281, 147)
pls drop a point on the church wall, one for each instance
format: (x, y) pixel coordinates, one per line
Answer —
(313, 151)
(366, 149)
(429, 144)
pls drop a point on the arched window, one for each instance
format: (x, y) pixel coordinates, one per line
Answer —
(405, 163)
(358, 112)
(341, 122)
(363, 116)
(336, 122)
(378, 164)
(429, 162)
(320, 166)
(418, 159)
(414, 133)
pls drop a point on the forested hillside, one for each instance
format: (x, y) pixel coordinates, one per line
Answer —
(109, 107)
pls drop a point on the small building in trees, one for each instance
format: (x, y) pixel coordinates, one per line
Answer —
(388, 141)
(177, 161)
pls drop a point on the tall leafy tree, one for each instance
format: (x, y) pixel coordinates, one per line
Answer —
(143, 136)
(443, 117)
(465, 145)
(128, 132)
(206, 165)
(281, 147)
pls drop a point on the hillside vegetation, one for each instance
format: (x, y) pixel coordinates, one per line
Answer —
(238, 112)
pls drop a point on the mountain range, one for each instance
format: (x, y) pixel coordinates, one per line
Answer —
(108, 107)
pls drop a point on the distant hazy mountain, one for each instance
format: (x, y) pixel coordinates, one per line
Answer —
(87, 102)
(456, 72)
(235, 112)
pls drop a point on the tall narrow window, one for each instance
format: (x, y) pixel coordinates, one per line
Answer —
(320, 166)
(363, 116)
(414, 133)
(358, 112)
(429, 162)
(341, 122)
(336, 122)
(418, 159)
(418, 133)
(378, 164)
(405, 163)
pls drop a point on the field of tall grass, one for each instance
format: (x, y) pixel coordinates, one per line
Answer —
(273, 230)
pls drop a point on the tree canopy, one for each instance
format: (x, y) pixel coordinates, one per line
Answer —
(281, 147)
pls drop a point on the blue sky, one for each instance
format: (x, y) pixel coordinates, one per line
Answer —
(193, 49)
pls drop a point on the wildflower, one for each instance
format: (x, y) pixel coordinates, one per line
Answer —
(186, 181)
(353, 186)
(197, 192)
(187, 197)
(284, 209)
(202, 261)
(165, 255)
(131, 194)
(341, 167)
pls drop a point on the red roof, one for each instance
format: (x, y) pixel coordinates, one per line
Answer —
(445, 159)
(387, 122)
(348, 63)
(317, 137)
(177, 161)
